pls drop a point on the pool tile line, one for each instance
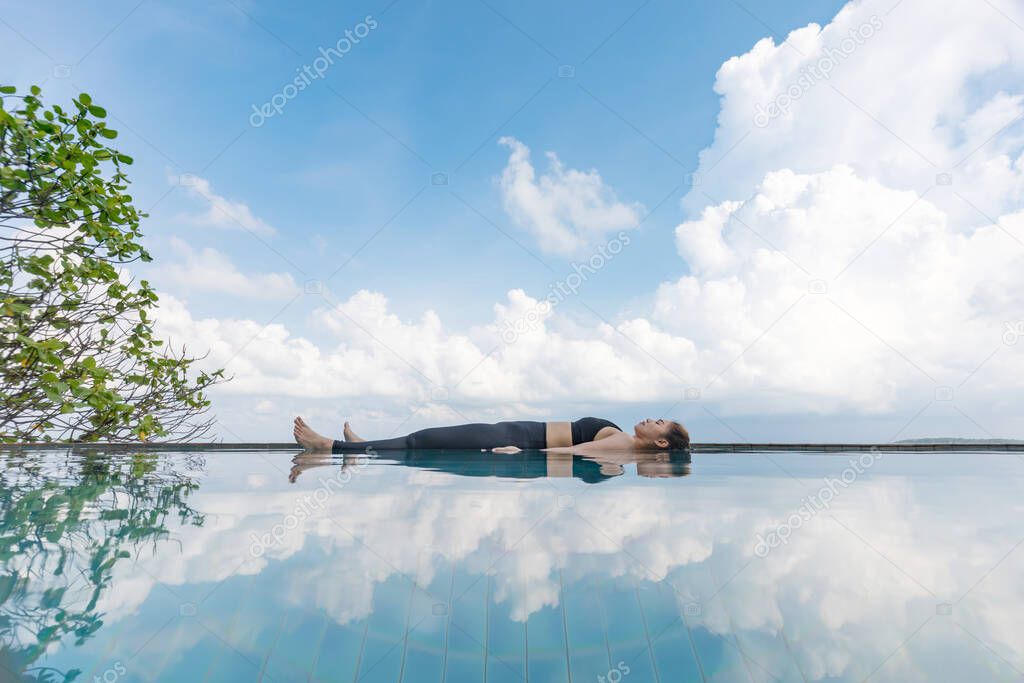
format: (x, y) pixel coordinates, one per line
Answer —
(525, 588)
(565, 625)
(647, 633)
(405, 635)
(225, 643)
(682, 615)
(448, 627)
(792, 655)
(487, 652)
(362, 649)
(734, 641)
(404, 639)
(487, 623)
(602, 608)
(693, 645)
(747, 659)
(387, 653)
(680, 618)
(151, 638)
(311, 676)
(526, 648)
(231, 627)
(270, 650)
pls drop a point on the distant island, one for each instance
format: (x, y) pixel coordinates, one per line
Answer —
(941, 440)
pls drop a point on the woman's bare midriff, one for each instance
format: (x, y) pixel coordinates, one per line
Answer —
(558, 434)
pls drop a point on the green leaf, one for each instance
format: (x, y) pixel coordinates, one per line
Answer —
(81, 342)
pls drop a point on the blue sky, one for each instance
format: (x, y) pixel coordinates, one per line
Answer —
(343, 175)
(444, 80)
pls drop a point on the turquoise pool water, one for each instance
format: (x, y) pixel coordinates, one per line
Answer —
(247, 566)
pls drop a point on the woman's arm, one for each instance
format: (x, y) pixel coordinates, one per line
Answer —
(618, 441)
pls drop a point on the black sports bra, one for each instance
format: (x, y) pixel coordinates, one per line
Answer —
(586, 428)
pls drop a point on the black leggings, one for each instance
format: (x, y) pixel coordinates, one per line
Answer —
(476, 436)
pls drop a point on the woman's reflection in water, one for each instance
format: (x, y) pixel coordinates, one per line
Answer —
(526, 465)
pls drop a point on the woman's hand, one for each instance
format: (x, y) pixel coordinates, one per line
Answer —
(506, 449)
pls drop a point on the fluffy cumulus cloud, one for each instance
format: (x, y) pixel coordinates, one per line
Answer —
(853, 307)
(567, 211)
(211, 271)
(219, 211)
(855, 243)
(901, 93)
(377, 355)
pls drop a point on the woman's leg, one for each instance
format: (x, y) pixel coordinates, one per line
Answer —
(399, 443)
(480, 436)
(476, 436)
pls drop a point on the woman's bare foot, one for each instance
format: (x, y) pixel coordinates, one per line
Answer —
(351, 436)
(309, 439)
(306, 461)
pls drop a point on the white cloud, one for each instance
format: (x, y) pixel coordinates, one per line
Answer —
(923, 307)
(567, 211)
(820, 276)
(378, 356)
(222, 212)
(210, 271)
(929, 92)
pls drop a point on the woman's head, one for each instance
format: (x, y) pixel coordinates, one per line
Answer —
(663, 464)
(661, 434)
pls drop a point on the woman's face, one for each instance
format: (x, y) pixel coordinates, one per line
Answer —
(652, 430)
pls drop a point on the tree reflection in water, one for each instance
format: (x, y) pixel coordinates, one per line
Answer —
(63, 528)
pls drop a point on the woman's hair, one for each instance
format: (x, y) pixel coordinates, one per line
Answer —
(678, 437)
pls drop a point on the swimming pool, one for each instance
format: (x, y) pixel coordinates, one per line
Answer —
(184, 566)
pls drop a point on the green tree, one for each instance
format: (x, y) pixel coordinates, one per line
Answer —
(79, 360)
